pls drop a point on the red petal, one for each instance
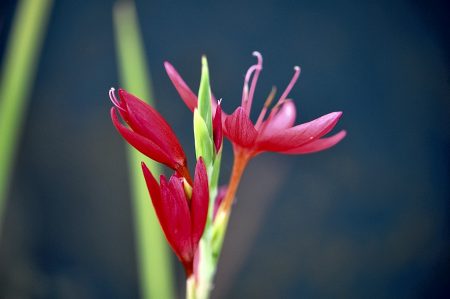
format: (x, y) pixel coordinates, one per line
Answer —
(175, 219)
(318, 145)
(299, 135)
(239, 129)
(142, 144)
(199, 202)
(170, 213)
(283, 119)
(152, 184)
(186, 94)
(146, 121)
(189, 98)
(217, 128)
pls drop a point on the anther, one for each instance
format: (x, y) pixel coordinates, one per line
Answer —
(245, 88)
(187, 189)
(113, 98)
(254, 81)
(267, 103)
(270, 97)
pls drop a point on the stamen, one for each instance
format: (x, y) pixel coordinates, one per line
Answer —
(245, 89)
(270, 97)
(269, 100)
(254, 80)
(187, 189)
(290, 85)
(284, 95)
(113, 98)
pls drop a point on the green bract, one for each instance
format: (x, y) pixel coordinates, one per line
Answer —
(204, 97)
(203, 142)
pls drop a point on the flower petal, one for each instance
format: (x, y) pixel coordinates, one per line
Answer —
(239, 129)
(186, 94)
(217, 128)
(318, 145)
(142, 144)
(172, 213)
(199, 202)
(146, 121)
(283, 119)
(297, 136)
(175, 210)
(152, 184)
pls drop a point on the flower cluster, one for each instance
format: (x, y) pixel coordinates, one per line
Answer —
(193, 213)
(180, 204)
(277, 132)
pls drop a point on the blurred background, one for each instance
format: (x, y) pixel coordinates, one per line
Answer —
(368, 218)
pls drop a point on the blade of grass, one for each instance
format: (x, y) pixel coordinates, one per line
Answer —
(156, 277)
(16, 81)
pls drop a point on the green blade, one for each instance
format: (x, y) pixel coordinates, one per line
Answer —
(154, 262)
(16, 81)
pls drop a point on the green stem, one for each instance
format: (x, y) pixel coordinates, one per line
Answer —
(16, 81)
(190, 287)
(211, 243)
(154, 263)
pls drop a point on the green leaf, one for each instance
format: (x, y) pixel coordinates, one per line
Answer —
(156, 277)
(204, 97)
(204, 146)
(22, 52)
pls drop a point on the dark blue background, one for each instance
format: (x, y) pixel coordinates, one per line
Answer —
(366, 219)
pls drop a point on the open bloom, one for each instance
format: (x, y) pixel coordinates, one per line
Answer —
(181, 211)
(148, 132)
(274, 133)
(277, 132)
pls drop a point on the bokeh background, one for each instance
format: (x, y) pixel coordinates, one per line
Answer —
(366, 219)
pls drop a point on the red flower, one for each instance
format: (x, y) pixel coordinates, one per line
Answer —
(274, 133)
(148, 132)
(182, 216)
(277, 132)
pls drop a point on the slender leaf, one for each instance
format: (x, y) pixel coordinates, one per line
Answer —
(154, 263)
(16, 82)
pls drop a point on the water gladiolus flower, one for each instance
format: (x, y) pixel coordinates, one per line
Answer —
(195, 224)
(181, 211)
(277, 132)
(148, 131)
(274, 132)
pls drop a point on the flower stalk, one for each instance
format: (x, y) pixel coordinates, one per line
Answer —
(241, 159)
